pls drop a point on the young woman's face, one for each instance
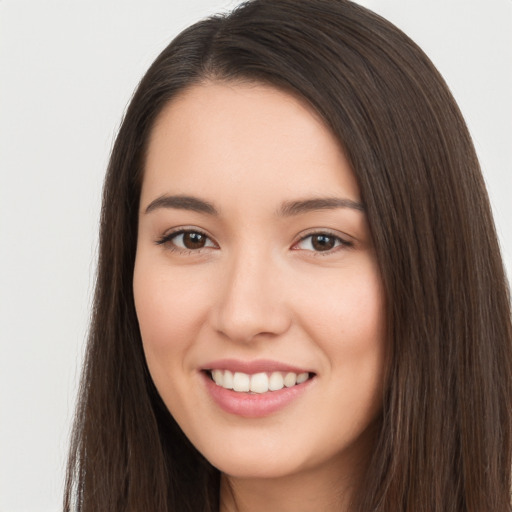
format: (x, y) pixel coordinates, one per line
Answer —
(255, 267)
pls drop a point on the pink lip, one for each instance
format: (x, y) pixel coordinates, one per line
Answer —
(252, 405)
(251, 367)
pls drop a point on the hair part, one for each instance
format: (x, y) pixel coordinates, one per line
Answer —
(444, 439)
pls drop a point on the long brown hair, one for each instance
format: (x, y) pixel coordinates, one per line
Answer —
(444, 442)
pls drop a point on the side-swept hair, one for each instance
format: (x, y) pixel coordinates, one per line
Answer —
(444, 442)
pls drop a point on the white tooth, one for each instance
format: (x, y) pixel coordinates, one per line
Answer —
(241, 382)
(276, 381)
(228, 380)
(290, 379)
(217, 377)
(259, 383)
(302, 377)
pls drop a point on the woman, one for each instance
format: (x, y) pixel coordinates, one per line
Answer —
(300, 299)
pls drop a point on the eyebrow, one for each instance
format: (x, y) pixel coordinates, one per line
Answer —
(287, 209)
(182, 203)
(290, 208)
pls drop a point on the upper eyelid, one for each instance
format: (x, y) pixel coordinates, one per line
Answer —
(303, 234)
(169, 235)
(319, 231)
(344, 238)
(186, 229)
(344, 244)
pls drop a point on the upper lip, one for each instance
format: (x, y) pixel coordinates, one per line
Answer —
(251, 367)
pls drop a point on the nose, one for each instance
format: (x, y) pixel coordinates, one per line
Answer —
(251, 300)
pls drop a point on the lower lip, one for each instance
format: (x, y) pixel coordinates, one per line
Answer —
(253, 405)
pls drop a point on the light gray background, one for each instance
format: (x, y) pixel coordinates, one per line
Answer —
(67, 71)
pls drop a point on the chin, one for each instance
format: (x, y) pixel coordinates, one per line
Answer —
(253, 459)
(256, 468)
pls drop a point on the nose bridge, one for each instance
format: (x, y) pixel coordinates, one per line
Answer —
(251, 301)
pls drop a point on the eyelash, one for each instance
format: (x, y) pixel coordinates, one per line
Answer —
(168, 239)
(341, 242)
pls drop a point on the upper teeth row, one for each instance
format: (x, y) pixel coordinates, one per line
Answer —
(257, 382)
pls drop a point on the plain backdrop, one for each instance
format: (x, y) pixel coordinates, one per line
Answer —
(67, 71)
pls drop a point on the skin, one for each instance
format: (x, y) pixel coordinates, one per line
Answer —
(260, 289)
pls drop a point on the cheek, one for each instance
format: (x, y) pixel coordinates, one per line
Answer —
(347, 312)
(169, 312)
(349, 326)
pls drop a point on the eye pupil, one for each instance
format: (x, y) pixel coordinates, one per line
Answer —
(323, 242)
(194, 240)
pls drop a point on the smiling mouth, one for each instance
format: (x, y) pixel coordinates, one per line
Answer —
(262, 382)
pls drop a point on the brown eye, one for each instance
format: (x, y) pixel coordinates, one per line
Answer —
(323, 242)
(194, 240)
(189, 240)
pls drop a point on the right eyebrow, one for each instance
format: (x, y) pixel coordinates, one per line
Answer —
(182, 203)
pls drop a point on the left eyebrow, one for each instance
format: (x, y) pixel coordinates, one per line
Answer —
(290, 208)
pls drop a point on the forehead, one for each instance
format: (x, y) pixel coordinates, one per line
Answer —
(252, 140)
